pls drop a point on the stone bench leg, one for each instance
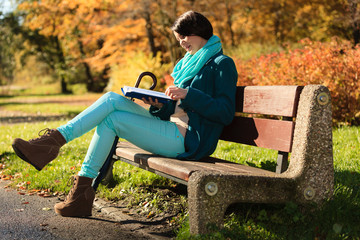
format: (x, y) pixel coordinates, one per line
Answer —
(210, 194)
(311, 161)
(204, 209)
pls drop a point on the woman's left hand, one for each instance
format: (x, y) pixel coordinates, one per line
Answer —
(176, 93)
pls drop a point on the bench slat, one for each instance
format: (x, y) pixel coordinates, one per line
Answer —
(269, 100)
(181, 169)
(266, 133)
(146, 159)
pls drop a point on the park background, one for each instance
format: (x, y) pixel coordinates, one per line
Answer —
(54, 53)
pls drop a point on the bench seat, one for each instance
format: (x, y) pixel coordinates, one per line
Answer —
(180, 170)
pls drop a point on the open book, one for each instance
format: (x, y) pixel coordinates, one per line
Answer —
(140, 93)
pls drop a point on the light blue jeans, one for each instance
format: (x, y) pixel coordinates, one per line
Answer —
(114, 115)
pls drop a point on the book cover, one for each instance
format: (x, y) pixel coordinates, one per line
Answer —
(140, 93)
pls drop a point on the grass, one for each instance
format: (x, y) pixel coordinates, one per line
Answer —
(151, 195)
(45, 108)
(58, 104)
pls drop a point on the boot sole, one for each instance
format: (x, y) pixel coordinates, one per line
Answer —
(22, 156)
(72, 215)
(77, 211)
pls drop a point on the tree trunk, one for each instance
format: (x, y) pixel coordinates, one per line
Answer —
(229, 22)
(355, 21)
(89, 76)
(63, 85)
(61, 60)
(149, 29)
(356, 33)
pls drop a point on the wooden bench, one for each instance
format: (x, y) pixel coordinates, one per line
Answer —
(292, 120)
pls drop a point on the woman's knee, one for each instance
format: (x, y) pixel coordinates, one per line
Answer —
(111, 95)
(113, 98)
(117, 96)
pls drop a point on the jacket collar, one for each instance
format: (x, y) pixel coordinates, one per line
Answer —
(213, 57)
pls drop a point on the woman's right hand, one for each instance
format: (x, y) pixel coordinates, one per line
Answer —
(153, 103)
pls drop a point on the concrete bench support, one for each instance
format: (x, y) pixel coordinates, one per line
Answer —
(309, 178)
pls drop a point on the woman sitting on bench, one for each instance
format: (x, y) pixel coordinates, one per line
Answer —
(188, 128)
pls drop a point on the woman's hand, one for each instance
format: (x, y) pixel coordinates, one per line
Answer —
(176, 93)
(153, 103)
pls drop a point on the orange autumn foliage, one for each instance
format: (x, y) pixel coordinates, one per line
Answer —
(335, 64)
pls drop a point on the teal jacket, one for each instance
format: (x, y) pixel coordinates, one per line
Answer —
(210, 105)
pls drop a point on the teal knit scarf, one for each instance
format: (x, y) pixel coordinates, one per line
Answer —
(190, 65)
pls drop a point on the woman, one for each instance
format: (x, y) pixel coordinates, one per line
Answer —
(189, 128)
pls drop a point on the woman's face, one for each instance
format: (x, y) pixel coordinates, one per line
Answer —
(190, 43)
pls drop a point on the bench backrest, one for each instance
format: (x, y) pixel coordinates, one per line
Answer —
(265, 117)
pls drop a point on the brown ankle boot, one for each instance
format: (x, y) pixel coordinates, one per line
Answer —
(42, 150)
(79, 201)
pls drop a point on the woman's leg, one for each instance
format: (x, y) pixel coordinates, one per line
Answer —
(97, 112)
(147, 132)
(41, 151)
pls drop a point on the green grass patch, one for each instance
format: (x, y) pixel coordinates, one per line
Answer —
(45, 108)
(336, 219)
(48, 105)
(40, 88)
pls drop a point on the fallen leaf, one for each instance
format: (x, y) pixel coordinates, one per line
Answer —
(33, 191)
(151, 214)
(19, 210)
(25, 203)
(46, 209)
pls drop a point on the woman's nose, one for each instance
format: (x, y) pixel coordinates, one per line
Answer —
(182, 41)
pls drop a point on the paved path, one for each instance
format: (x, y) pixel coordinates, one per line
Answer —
(32, 217)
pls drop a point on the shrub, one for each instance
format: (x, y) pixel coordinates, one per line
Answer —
(335, 64)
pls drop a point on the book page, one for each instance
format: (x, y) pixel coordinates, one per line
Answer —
(128, 90)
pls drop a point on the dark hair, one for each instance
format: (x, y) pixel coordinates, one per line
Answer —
(193, 23)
